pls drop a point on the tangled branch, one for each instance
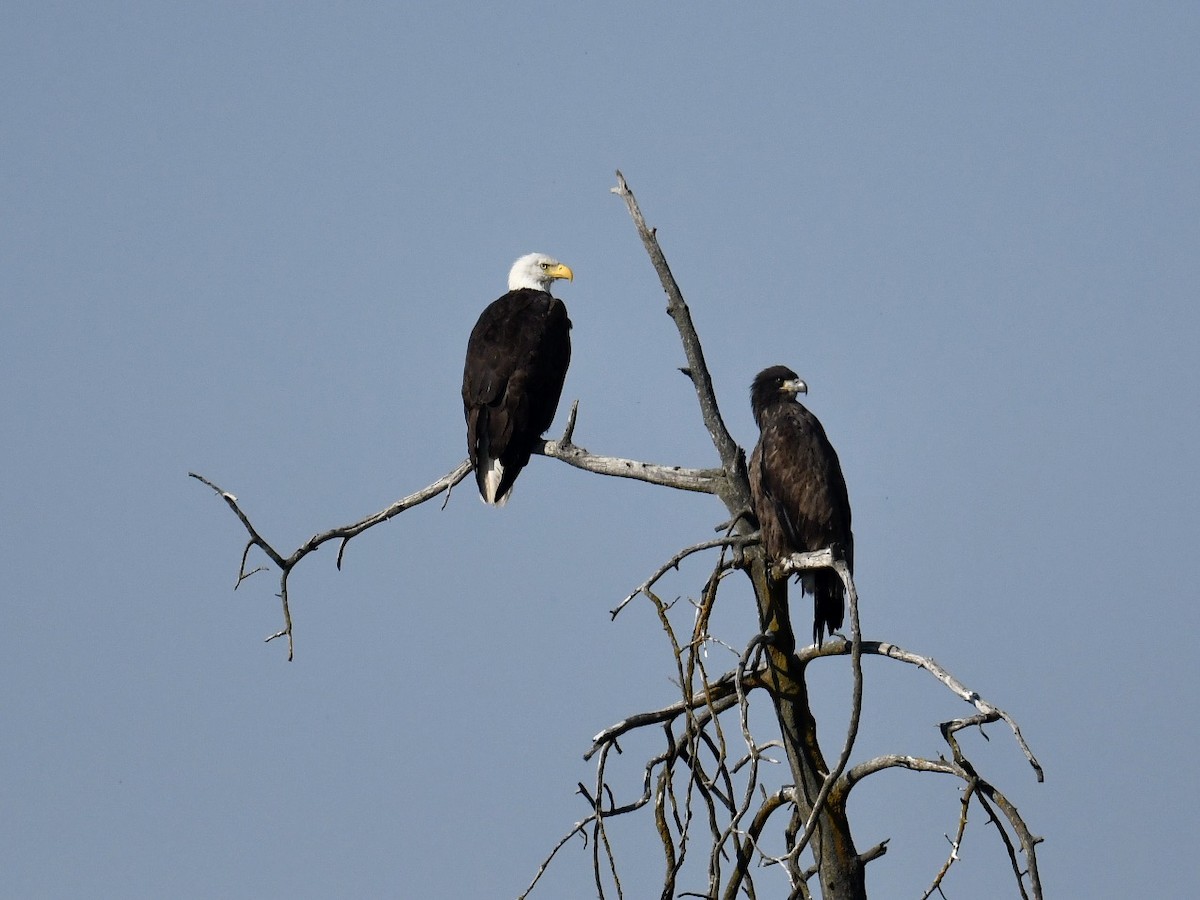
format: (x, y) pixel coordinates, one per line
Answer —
(695, 765)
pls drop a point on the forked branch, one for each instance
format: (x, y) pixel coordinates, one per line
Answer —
(564, 449)
(343, 533)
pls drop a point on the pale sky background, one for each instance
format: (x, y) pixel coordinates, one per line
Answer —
(250, 240)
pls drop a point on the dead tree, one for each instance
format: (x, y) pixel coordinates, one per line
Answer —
(706, 779)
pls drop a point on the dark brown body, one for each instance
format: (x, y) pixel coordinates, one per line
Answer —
(517, 358)
(799, 493)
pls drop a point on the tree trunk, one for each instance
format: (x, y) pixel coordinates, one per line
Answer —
(841, 872)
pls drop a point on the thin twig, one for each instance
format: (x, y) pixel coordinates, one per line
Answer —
(674, 561)
(955, 842)
(578, 828)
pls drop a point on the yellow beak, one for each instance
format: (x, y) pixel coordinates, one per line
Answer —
(561, 271)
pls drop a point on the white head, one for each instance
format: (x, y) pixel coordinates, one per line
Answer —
(535, 271)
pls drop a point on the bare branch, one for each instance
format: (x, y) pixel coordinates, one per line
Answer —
(256, 540)
(894, 760)
(674, 561)
(705, 481)
(702, 480)
(578, 828)
(874, 852)
(962, 769)
(802, 562)
(344, 534)
(735, 492)
(719, 696)
(988, 712)
(955, 842)
(1028, 840)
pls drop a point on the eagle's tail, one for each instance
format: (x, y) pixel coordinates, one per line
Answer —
(489, 475)
(829, 603)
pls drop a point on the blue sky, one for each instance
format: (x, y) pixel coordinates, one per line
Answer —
(250, 240)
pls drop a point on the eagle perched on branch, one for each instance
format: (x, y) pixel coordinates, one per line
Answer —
(517, 358)
(798, 490)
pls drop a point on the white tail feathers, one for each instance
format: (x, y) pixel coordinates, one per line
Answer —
(493, 472)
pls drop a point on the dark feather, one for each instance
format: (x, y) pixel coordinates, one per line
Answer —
(799, 493)
(517, 358)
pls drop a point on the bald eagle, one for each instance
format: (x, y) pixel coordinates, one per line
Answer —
(798, 491)
(517, 359)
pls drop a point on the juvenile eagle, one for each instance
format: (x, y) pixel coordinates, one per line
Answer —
(798, 490)
(517, 358)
